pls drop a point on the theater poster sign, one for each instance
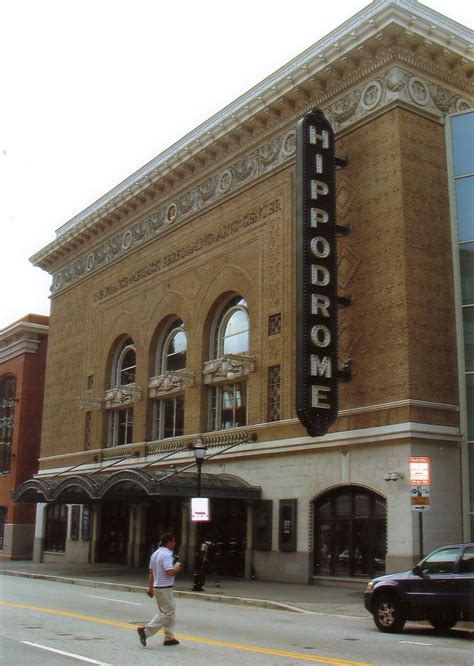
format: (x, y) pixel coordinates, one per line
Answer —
(316, 300)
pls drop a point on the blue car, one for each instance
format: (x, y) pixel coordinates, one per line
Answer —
(439, 589)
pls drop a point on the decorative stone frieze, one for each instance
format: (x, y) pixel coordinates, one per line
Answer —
(396, 84)
(170, 382)
(229, 367)
(240, 174)
(120, 396)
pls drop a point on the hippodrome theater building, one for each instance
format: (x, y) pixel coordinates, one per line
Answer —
(176, 322)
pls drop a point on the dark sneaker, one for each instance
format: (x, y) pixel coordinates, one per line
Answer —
(141, 635)
(171, 641)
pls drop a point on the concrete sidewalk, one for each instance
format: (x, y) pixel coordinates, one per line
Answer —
(335, 600)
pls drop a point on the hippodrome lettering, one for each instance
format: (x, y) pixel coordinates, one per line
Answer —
(316, 389)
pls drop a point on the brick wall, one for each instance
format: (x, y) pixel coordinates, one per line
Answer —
(395, 264)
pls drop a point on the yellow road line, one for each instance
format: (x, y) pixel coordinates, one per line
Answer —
(195, 639)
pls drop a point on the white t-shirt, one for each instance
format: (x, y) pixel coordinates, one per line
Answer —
(161, 561)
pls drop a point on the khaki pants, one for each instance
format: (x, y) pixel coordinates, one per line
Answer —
(166, 617)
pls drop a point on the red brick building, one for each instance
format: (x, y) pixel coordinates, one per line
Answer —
(23, 349)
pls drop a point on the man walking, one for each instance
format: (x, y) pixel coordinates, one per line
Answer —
(161, 575)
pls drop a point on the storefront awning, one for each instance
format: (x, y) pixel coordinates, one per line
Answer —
(132, 486)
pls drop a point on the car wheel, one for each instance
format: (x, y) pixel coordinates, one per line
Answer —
(444, 620)
(387, 614)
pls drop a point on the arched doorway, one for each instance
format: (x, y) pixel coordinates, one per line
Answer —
(350, 533)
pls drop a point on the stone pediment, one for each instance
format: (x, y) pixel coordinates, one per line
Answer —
(170, 382)
(229, 367)
(120, 396)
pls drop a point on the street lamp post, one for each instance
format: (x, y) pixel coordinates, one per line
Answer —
(199, 454)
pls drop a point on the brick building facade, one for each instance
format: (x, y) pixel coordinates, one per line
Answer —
(23, 351)
(173, 321)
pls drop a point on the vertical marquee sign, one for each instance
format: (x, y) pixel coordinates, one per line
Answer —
(316, 282)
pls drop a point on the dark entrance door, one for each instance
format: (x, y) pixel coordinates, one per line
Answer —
(160, 517)
(350, 533)
(114, 533)
(227, 532)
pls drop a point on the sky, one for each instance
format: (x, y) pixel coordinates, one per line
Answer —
(92, 90)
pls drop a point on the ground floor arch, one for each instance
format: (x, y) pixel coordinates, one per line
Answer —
(350, 532)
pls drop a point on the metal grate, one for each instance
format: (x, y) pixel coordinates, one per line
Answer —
(274, 323)
(274, 393)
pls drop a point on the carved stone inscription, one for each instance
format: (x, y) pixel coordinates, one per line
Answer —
(161, 263)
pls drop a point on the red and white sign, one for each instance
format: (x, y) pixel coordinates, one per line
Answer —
(420, 472)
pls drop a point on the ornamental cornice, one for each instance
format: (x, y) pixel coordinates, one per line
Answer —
(21, 338)
(395, 85)
(230, 368)
(382, 86)
(170, 382)
(209, 192)
(313, 78)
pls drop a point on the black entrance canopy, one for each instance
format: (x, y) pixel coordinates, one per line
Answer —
(132, 485)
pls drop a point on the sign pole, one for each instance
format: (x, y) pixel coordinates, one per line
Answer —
(420, 529)
(420, 484)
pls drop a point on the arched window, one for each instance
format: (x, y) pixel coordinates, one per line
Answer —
(7, 411)
(173, 352)
(168, 411)
(228, 402)
(120, 426)
(231, 334)
(350, 533)
(125, 365)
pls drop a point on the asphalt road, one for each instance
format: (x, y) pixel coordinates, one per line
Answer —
(50, 623)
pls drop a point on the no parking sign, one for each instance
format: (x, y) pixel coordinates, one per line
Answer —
(420, 482)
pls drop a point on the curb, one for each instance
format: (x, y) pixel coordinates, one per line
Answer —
(123, 587)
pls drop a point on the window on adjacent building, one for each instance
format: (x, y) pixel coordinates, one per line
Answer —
(3, 519)
(7, 411)
(120, 430)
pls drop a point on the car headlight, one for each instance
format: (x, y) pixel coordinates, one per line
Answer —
(370, 584)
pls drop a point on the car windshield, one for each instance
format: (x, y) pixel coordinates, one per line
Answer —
(440, 562)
